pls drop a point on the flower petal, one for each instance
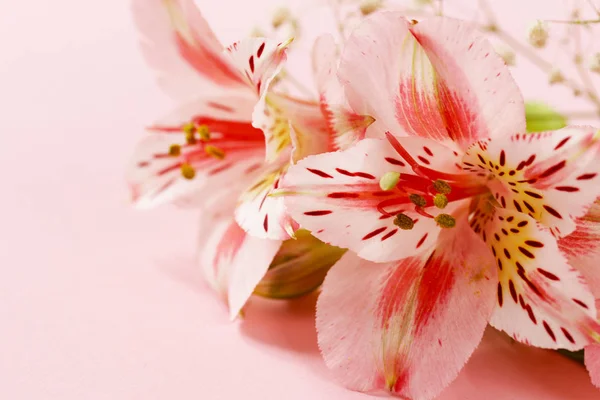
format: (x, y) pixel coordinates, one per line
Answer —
(552, 176)
(407, 326)
(541, 300)
(178, 42)
(224, 259)
(258, 60)
(346, 201)
(438, 78)
(299, 267)
(261, 214)
(156, 174)
(345, 126)
(592, 363)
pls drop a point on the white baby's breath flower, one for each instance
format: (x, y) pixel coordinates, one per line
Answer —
(370, 6)
(555, 76)
(538, 34)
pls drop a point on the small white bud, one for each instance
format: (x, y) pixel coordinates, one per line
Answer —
(595, 63)
(555, 76)
(538, 34)
(280, 17)
(370, 6)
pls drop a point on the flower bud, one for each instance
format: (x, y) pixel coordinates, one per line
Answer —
(538, 34)
(370, 6)
(555, 76)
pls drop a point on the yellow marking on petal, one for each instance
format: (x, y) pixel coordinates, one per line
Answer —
(174, 150)
(178, 21)
(187, 171)
(214, 152)
(389, 180)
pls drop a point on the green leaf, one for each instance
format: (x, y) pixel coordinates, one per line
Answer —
(541, 117)
(299, 267)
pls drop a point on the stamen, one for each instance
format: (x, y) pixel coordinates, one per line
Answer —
(190, 133)
(440, 200)
(442, 187)
(204, 133)
(389, 180)
(403, 221)
(445, 221)
(174, 150)
(187, 171)
(214, 152)
(417, 200)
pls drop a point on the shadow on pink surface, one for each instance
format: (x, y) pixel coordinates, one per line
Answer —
(500, 369)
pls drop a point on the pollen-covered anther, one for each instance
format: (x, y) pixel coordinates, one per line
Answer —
(187, 171)
(190, 132)
(214, 152)
(204, 133)
(403, 221)
(389, 180)
(417, 200)
(442, 187)
(174, 150)
(440, 200)
(445, 221)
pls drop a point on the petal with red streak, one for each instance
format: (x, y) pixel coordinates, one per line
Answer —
(541, 299)
(338, 198)
(438, 78)
(224, 259)
(344, 125)
(553, 176)
(407, 326)
(155, 176)
(180, 45)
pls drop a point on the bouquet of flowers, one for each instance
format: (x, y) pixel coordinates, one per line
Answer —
(416, 190)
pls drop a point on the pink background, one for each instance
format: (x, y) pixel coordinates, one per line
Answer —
(98, 301)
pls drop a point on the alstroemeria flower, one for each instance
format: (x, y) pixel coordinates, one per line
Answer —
(454, 221)
(226, 147)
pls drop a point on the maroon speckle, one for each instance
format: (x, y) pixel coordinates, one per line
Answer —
(343, 195)
(394, 161)
(562, 143)
(318, 213)
(423, 160)
(553, 169)
(567, 335)
(513, 291)
(500, 299)
(143, 164)
(531, 314)
(586, 177)
(552, 211)
(320, 173)
(220, 106)
(502, 158)
(364, 175)
(526, 252)
(421, 240)
(534, 243)
(389, 235)
(549, 331)
(260, 50)
(567, 188)
(374, 233)
(533, 194)
(426, 149)
(517, 206)
(266, 223)
(251, 63)
(580, 303)
(548, 275)
(507, 254)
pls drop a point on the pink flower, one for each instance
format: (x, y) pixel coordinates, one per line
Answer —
(226, 146)
(454, 221)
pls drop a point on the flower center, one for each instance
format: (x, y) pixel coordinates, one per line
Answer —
(427, 187)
